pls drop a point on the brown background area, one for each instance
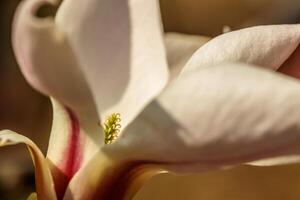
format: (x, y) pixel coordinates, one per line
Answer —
(27, 112)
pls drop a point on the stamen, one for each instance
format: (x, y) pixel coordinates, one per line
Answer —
(32, 196)
(111, 128)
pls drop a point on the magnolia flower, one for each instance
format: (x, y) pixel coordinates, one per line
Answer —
(104, 61)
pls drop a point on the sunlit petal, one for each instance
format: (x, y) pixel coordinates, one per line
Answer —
(120, 47)
(43, 178)
(266, 46)
(216, 116)
(281, 160)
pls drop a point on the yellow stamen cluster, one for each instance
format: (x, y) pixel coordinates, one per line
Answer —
(111, 128)
(32, 196)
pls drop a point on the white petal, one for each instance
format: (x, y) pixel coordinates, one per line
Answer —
(74, 140)
(222, 115)
(267, 46)
(43, 178)
(281, 160)
(105, 178)
(180, 47)
(46, 59)
(120, 48)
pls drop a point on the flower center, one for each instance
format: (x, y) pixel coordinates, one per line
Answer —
(111, 128)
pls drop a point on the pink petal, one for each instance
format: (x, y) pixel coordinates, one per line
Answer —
(73, 142)
(46, 59)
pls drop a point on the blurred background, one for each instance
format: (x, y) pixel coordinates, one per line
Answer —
(27, 112)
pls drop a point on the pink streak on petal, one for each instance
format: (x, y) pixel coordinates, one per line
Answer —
(71, 159)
